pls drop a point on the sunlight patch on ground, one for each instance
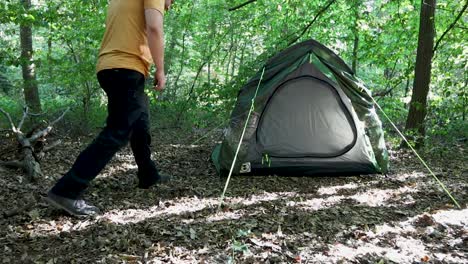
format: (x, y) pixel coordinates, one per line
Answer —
(138, 215)
(126, 162)
(251, 200)
(122, 217)
(377, 197)
(45, 229)
(317, 203)
(183, 146)
(406, 176)
(192, 205)
(168, 208)
(330, 190)
(265, 197)
(225, 216)
(405, 251)
(453, 217)
(397, 243)
(123, 157)
(371, 198)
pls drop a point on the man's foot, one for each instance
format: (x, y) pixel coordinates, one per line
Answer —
(74, 207)
(146, 184)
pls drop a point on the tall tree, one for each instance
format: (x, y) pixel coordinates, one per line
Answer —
(422, 78)
(30, 88)
(355, 29)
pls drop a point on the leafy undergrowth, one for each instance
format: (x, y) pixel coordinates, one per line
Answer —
(400, 218)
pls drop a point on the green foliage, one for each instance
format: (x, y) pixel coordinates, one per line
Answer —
(238, 246)
(5, 85)
(211, 52)
(12, 108)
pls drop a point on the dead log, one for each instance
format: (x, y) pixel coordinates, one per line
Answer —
(29, 202)
(19, 210)
(30, 161)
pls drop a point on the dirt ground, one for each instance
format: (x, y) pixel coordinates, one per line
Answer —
(404, 217)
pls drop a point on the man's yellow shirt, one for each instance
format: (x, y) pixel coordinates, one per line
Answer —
(125, 44)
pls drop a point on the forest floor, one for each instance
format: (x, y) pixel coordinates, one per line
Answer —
(404, 217)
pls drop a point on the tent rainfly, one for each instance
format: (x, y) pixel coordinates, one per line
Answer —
(311, 116)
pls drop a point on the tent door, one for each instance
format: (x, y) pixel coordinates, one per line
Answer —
(306, 117)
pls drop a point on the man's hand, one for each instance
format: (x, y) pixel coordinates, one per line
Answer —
(159, 81)
(167, 4)
(155, 34)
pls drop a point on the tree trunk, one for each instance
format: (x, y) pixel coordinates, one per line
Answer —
(357, 4)
(418, 104)
(30, 164)
(30, 89)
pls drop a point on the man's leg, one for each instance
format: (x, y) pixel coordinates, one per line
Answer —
(90, 162)
(121, 87)
(140, 142)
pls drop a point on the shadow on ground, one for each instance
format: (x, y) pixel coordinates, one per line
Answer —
(401, 218)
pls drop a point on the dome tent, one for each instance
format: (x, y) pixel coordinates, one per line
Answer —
(311, 115)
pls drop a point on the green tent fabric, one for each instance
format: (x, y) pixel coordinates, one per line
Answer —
(311, 116)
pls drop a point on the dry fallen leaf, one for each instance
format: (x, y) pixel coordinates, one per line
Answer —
(425, 259)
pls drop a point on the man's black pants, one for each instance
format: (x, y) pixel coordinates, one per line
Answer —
(127, 120)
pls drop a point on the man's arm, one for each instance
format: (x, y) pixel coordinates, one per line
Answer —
(155, 34)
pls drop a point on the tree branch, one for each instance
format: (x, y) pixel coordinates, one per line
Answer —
(451, 26)
(52, 145)
(384, 93)
(320, 12)
(60, 117)
(46, 131)
(12, 164)
(25, 114)
(241, 5)
(29, 201)
(191, 90)
(7, 115)
(19, 210)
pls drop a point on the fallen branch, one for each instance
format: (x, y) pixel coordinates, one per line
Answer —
(19, 210)
(12, 164)
(52, 145)
(47, 130)
(29, 163)
(29, 201)
(41, 153)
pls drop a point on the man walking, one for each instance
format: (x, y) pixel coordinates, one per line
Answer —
(133, 39)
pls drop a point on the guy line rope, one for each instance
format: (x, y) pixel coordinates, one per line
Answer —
(252, 107)
(417, 155)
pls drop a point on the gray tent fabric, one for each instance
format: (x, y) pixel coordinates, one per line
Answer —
(284, 132)
(311, 116)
